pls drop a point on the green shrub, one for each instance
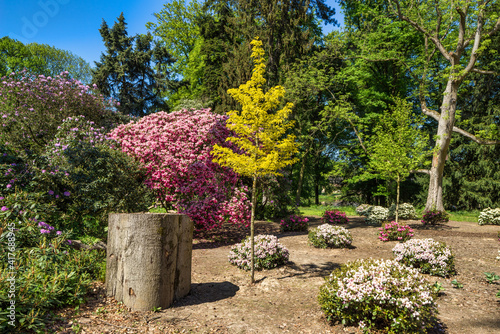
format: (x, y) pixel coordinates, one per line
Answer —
(326, 235)
(369, 294)
(405, 211)
(376, 215)
(363, 209)
(268, 253)
(427, 255)
(433, 217)
(47, 272)
(82, 176)
(489, 216)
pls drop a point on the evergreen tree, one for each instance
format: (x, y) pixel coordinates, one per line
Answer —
(133, 70)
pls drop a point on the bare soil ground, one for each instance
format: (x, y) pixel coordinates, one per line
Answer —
(284, 300)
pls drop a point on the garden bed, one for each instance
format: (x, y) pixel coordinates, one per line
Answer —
(284, 300)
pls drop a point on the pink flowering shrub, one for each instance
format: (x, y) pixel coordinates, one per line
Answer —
(31, 108)
(427, 255)
(268, 253)
(433, 217)
(175, 149)
(379, 295)
(395, 232)
(334, 217)
(294, 223)
(326, 235)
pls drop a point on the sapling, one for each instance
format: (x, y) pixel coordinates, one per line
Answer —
(491, 277)
(457, 284)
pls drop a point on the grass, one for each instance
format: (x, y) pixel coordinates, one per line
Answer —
(318, 210)
(464, 216)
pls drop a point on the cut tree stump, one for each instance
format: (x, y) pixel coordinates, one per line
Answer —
(148, 259)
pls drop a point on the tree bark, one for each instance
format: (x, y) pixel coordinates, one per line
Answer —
(301, 179)
(397, 200)
(148, 259)
(445, 128)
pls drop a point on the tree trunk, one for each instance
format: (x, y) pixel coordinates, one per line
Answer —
(445, 128)
(252, 230)
(301, 179)
(397, 200)
(148, 259)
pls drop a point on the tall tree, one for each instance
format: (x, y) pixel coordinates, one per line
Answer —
(133, 70)
(288, 30)
(259, 133)
(453, 35)
(56, 61)
(15, 57)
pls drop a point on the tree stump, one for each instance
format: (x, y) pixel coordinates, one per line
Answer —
(148, 259)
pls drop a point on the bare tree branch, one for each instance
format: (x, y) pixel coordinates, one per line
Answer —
(418, 27)
(477, 70)
(474, 138)
(429, 112)
(424, 171)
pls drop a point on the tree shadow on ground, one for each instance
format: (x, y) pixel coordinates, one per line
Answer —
(207, 293)
(307, 270)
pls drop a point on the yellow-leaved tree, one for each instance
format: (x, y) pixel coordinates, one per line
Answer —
(260, 130)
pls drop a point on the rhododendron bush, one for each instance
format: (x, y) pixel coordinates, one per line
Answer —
(31, 108)
(175, 149)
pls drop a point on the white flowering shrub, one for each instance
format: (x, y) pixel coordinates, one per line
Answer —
(489, 216)
(379, 295)
(363, 209)
(427, 255)
(376, 215)
(405, 211)
(327, 235)
(268, 253)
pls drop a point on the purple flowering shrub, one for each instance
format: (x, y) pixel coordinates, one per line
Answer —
(369, 294)
(294, 223)
(433, 217)
(395, 232)
(32, 107)
(268, 253)
(427, 255)
(49, 273)
(334, 217)
(326, 235)
(82, 175)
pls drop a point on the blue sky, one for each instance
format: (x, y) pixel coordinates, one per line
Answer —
(73, 24)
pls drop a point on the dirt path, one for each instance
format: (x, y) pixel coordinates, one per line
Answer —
(284, 300)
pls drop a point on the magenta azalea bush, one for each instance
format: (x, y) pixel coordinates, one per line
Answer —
(334, 217)
(294, 223)
(395, 232)
(433, 217)
(268, 253)
(379, 295)
(175, 149)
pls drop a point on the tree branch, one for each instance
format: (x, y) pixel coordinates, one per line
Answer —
(477, 70)
(431, 113)
(424, 171)
(474, 138)
(418, 27)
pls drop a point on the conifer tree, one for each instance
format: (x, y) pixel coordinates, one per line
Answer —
(260, 132)
(133, 70)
